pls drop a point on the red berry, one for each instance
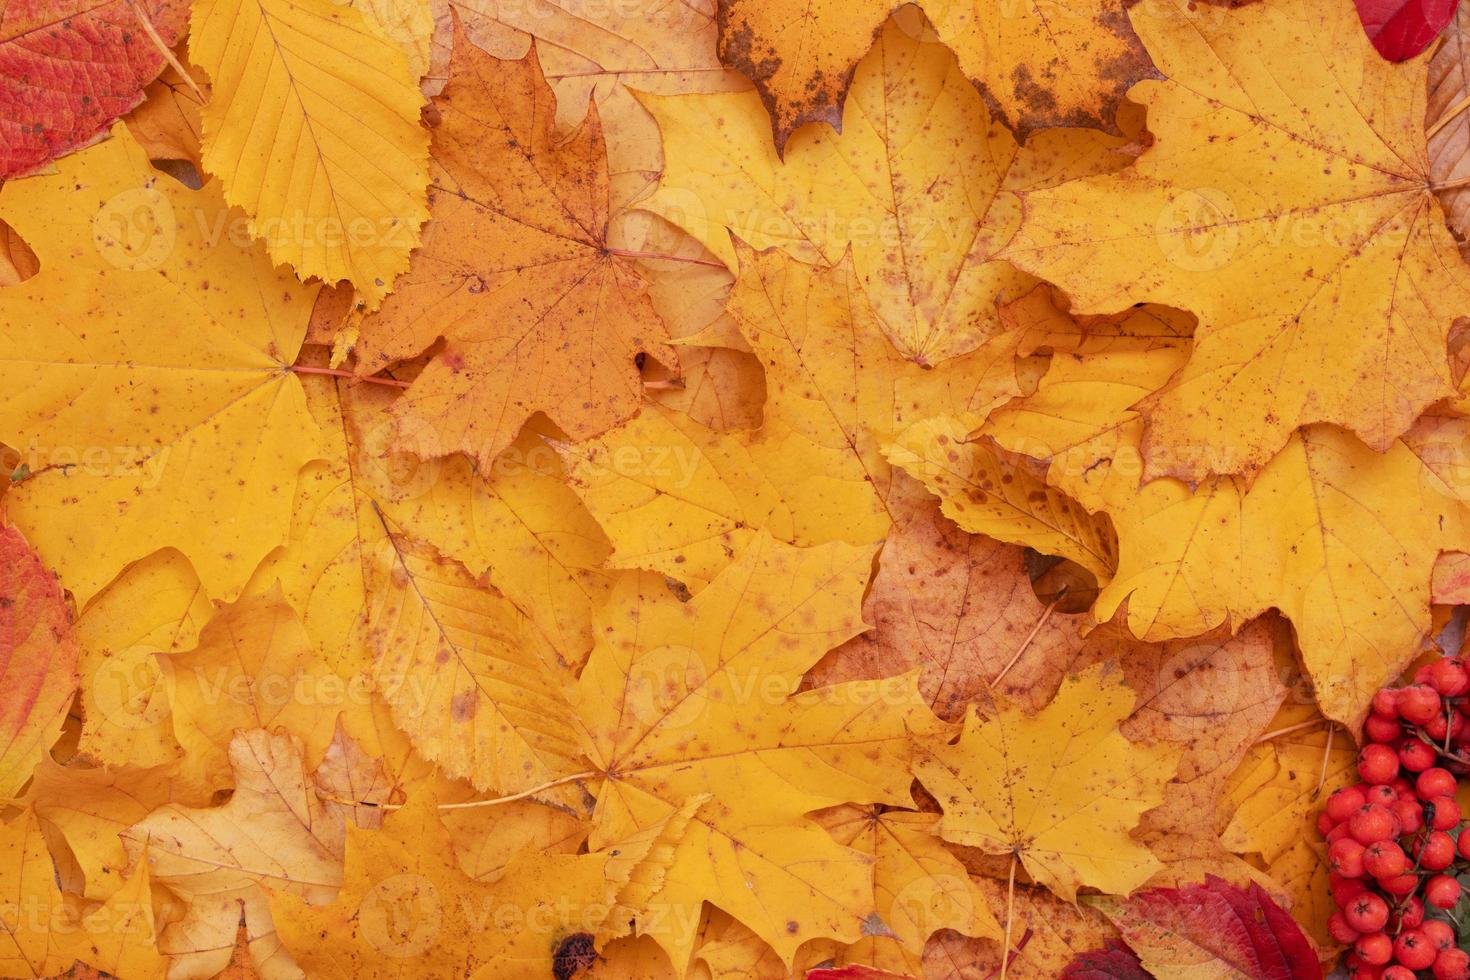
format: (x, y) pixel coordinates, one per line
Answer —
(1383, 859)
(1367, 913)
(1431, 783)
(1421, 673)
(1338, 929)
(1464, 846)
(1397, 973)
(1378, 763)
(1439, 933)
(1375, 949)
(1381, 729)
(1418, 703)
(1346, 858)
(1416, 755)
(1346, 801)
(1371, 823)
(1384, 794)
(1347, 889)
(1412, 950)
(1446, 812)
(1410, 814)
(1435, 851)
(1441, 727)
(1409, 916)
(1452, 964)
(1442, 892)
(1404, 884)
(1325, 823)
(1448, 678)
(1386, 702)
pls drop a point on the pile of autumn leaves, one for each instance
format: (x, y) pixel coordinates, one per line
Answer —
(659, 477)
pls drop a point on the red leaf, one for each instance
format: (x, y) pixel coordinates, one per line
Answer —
(1400, 29)
(38, 660)
(68, 68)
(1246, 931)
(853, 973)
(1113, 962)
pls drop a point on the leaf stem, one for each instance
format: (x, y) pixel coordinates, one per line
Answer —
(472, 804)
(1291, 728)
(1005, 949)
(1326, 755)
(1027, 642)
(628, 253)
(1448, 117)
(1450, 185)
(163, 49)
(334, 373)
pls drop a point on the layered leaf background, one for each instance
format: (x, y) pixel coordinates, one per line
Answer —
(715, 489)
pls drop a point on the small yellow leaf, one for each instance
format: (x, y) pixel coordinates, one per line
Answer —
(1060, 790)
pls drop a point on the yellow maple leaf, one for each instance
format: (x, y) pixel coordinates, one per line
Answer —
(1059, 791)
(920, 185)
(919, 887)
(699, 701)
(538, 315)
(315, 135)
(1285, 193)
(174, 405)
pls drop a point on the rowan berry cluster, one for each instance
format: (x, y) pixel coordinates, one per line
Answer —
(1394, 841)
